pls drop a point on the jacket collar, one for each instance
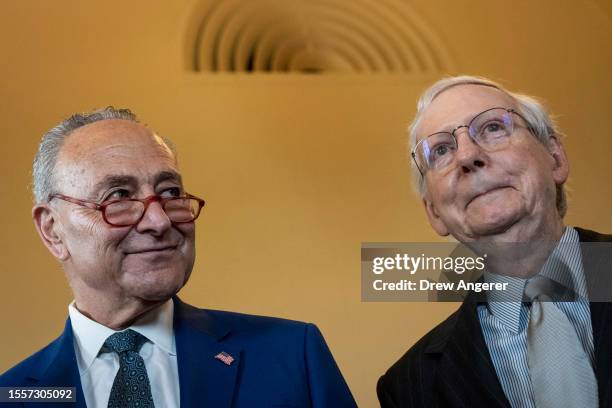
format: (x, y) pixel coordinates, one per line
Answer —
(205, 380)
(58, 367)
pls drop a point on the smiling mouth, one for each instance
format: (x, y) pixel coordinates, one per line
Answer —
(153, 250)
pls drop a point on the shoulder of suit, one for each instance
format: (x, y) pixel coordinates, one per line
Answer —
(19, 373)
(592, 236)
(255, 320)
(248, 324)
(429, 344)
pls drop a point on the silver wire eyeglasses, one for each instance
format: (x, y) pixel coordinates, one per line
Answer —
(490, 130)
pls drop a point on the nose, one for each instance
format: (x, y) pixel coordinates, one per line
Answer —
(154, 221)
(470, 157)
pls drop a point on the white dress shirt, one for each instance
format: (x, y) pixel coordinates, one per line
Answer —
(98, 370)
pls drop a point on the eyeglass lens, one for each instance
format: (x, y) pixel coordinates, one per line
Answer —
(490, 129)
(127, 212)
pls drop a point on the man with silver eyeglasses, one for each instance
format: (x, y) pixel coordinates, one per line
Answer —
(490, 167)
(110, 206)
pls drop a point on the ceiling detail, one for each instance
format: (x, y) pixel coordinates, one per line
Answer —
(315, 36)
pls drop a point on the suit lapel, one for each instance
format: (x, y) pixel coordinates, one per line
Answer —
(601, 315)
(58, 368)
(597, 262)
(466, 375)
(203, 379)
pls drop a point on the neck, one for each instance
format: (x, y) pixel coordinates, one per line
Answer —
(114, 315)
(520, 254)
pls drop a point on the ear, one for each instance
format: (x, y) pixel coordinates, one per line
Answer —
(434, 219)
(561, 164)
(45, 221)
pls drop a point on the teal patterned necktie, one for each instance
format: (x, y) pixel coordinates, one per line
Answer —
(131, 387)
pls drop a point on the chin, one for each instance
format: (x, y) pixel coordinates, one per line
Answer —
(157, 285)
(494, 221)
(496, 226)
(156, 294)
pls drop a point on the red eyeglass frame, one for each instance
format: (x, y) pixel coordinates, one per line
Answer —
(145, 201)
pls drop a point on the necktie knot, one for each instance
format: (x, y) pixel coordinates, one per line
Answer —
(128, 340)
(544, 289)
(539, 288)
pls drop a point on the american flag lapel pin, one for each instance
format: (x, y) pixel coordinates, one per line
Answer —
(225, 358)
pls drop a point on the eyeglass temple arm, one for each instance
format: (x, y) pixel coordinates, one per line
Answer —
(527, 123)
(88, 204)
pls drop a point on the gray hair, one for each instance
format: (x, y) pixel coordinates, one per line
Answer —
(51, 143)
(542, 126)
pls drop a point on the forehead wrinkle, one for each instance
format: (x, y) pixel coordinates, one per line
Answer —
(79, 153)
(110, 150)
(83, 155)
(111, 134)
(71, 167)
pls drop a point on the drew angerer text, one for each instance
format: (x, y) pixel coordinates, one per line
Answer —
(424, 284)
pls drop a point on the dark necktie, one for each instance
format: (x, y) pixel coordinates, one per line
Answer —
(131, 387)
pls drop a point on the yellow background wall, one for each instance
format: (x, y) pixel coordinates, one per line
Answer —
(297, 170)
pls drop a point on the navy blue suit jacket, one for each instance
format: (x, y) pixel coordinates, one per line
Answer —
(278, 363)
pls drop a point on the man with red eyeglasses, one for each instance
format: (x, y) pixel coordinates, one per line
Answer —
(111, 207)
(490, 168)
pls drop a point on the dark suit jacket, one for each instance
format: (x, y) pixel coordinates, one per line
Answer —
(451, 366)
(278, 363)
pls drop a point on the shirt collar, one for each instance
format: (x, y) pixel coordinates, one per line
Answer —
(156, 325)
(506, 306)
(567, 256)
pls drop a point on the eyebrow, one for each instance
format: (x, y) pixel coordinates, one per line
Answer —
(168, 176)
(113, 180)
(122, 180)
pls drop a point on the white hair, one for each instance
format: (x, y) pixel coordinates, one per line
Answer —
(541, 125)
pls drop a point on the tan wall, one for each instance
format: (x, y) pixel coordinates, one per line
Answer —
(297, 170)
